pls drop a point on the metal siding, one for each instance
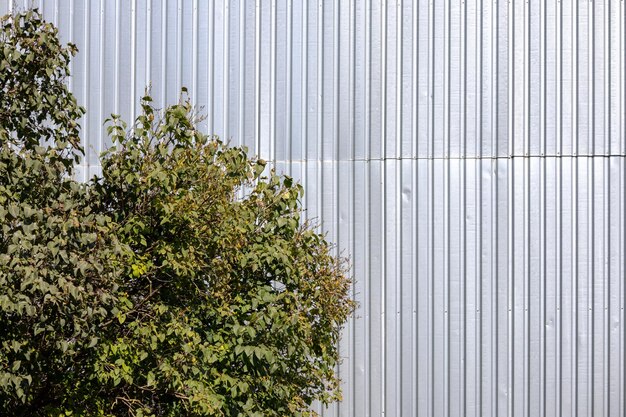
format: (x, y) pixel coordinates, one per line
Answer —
(469, 156)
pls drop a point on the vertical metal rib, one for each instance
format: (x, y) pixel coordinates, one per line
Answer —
(504, 127)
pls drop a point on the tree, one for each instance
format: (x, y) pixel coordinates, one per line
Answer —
(55, 283)
(182, 282)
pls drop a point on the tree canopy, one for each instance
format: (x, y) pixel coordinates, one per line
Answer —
(181, 282)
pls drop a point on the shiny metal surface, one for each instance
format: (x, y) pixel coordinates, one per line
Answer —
(469, 156)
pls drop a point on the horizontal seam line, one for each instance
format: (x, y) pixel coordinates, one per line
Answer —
(460, 158)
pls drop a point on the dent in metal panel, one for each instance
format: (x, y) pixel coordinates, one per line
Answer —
(408, 276)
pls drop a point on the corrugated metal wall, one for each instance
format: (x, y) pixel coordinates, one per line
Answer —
(468, 155)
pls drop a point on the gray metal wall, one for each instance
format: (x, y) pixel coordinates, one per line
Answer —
(468, 155)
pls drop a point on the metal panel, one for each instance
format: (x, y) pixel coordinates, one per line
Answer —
(470, 157)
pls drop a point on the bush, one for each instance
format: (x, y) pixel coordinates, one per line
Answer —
(182, 282)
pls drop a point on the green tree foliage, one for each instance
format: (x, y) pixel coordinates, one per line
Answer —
(55, 283)
(182, 282)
